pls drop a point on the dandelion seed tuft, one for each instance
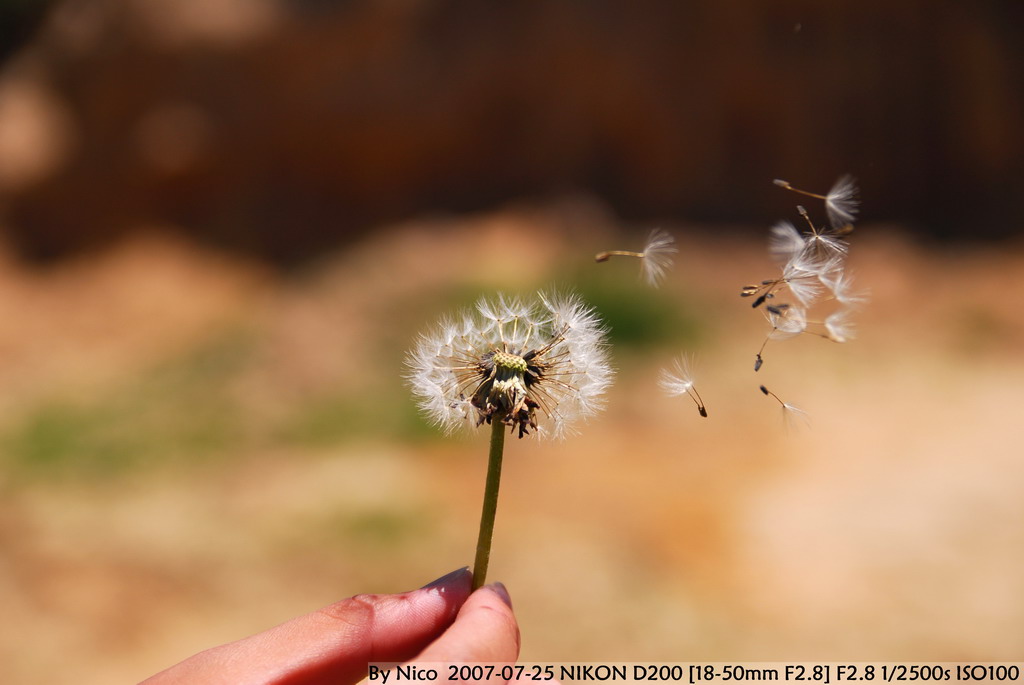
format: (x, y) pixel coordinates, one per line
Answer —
(785, 242)
(840, 283)
(791, 415)
(786, 322)
(534, 367)
(657, 257)
(841, 202)
(678, 380)
(839, 326)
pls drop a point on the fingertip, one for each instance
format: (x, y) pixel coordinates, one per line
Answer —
(485, 630)
(502, 592)
(456, 579)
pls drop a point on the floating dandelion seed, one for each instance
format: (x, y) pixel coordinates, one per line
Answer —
(526, 367)
(812, 264)
(790, 414)
(840, 284)
(840, 203)
(785, 243)
(655, 259)
(679, 381)
(787, 321)
(838, 326)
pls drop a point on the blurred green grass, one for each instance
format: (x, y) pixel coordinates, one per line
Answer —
(180, 409)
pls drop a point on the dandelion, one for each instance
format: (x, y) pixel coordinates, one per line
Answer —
(678, 381)
(840, 203)
(655, 259)
(790, 414)
(526, 367)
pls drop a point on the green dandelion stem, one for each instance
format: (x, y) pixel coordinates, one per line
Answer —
(483, 543)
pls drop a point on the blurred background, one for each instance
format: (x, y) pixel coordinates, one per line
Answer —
(223, 222)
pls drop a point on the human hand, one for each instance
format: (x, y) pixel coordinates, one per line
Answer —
(442, 621)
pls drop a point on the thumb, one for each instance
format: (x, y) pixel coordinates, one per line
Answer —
(485, 630)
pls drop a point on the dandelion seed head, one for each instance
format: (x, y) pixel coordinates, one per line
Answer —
(535, 366)
(657, 256)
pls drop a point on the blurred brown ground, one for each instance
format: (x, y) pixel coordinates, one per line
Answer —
(196, 444)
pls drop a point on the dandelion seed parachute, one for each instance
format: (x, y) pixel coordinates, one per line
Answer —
(791, 415)
(657, 256)
(840, 284)
(786, 322)
(841, 202)
(785, 242)
(839, 326)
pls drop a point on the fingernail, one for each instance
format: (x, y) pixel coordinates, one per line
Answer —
(450, 579)
(500, 590)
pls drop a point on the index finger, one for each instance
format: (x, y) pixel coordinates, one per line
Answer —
(334, 644)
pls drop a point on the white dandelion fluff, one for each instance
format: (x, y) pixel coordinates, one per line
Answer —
(822, 243)
(801, 275)
(787, 321)
(657, 256)
(785, 243)
(840, 283)
(802, 280)
(533, 366)
(678, 381)
(842, 201)
(839, 326)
